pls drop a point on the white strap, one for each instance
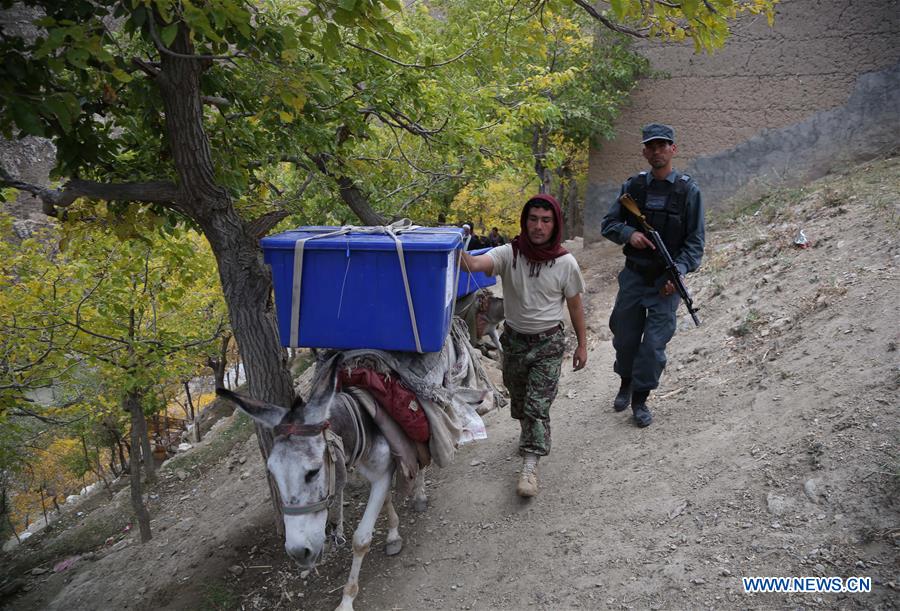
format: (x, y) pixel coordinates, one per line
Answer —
(298, 283)
(392, 230)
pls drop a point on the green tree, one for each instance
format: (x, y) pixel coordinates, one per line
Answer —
(150, 312)
(706, 22)
(136, 314)
(559, 89)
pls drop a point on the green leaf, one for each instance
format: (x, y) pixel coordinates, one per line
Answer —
(344, 18)
(331, 40)
(139, 16)
(618, 7)
(26, 118)
(122, 76)
(347, 5)
(394, 5)
(65, 108)
(168, 34)
(78, 57)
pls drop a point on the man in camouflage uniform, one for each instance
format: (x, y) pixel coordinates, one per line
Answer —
(539, 278)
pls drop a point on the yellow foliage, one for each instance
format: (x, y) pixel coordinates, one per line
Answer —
(51, 475)
(496, 204)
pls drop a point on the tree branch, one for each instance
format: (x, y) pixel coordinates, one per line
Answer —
(220, 103)
(401, 121)
(414, 166)
(417, 66)
(262, 225)
(711, 8)
(256, 163)
(352, 195)
(155, 192)
(146, 67)
(18, 410)
(167, 51)
(609, 24)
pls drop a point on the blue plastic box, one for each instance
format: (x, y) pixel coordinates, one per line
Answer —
(352, 293)
(469, 282)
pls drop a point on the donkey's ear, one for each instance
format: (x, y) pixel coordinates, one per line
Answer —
(324, 383)
(265, 413)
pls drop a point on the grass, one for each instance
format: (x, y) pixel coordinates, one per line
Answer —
(237, 431)
(747, 325)
(765, 207)
(219, 597)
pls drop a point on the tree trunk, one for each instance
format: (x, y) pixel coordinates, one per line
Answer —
(144, 437)
(4, 511)
(44, 508)
(122, 461)
(193, 414)
(95, 466)
(539, 152)
(246, 282)
(567, 195)
(133, 406)
(220, 364)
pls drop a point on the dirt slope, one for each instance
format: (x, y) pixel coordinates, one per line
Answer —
(773, 452)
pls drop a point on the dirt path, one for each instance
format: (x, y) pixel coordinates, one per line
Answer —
(773, 452)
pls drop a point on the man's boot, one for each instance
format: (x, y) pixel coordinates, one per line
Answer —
(624, 397)
(528, 480)
(642, 415)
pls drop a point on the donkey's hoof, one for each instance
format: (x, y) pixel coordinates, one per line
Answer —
(420, 505)
(392, 548)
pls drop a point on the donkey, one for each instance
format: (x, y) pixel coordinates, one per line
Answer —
(314, 445)
(483, 313)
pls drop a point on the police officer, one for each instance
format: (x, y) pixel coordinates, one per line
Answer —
(643, 319)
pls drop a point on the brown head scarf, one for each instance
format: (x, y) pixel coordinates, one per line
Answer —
(549, 251)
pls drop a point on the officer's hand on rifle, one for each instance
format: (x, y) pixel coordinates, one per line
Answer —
(668, 288)
(639, 240)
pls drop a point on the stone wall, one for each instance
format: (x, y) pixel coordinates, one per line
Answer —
(776, 105)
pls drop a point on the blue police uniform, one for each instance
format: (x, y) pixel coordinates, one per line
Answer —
(643, 320)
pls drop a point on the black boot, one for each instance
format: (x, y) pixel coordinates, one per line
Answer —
(642, 415)
(624, 397)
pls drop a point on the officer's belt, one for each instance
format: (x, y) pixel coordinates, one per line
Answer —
(650, 273)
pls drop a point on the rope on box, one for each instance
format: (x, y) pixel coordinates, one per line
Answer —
(393, 230)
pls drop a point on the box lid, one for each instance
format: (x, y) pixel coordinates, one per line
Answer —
(419, 239)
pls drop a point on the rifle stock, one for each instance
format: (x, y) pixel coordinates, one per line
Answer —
(628, 202)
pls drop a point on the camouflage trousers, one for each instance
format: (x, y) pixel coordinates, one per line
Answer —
(531, 368)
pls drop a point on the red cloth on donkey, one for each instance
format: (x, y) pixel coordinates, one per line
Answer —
(399, 401)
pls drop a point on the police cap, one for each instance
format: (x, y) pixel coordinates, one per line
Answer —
(657, 131)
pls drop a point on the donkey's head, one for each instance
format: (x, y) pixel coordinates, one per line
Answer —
(299, 462)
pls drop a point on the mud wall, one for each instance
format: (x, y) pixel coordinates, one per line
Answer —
(776, 105)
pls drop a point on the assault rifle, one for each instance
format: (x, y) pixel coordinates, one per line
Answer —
(672, 271)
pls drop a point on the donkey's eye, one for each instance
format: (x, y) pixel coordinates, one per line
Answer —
(311, 475)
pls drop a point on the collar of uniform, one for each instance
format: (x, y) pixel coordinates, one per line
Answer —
(670, 178)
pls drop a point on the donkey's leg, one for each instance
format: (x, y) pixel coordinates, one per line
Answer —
(362, 537)
(394, 542)
(495, 337)
(420, 501)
